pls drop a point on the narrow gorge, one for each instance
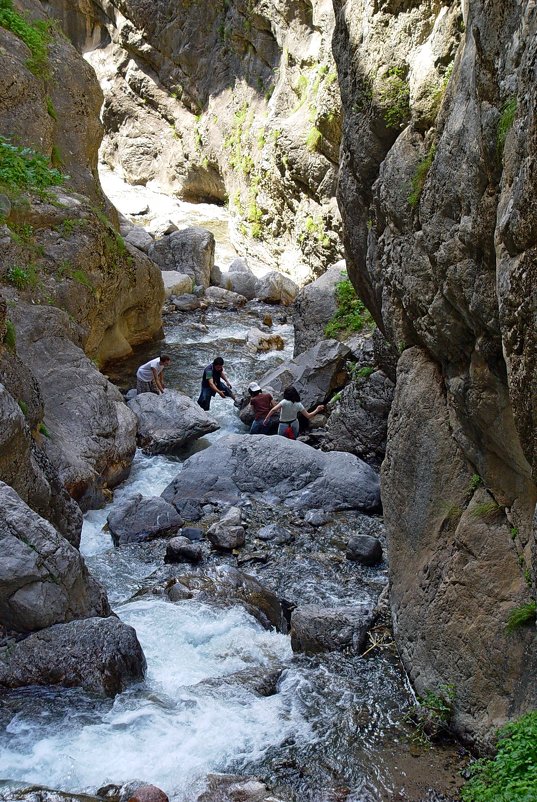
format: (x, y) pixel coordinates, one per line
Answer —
(333, 195)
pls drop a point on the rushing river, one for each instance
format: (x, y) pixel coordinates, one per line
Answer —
(335, 728)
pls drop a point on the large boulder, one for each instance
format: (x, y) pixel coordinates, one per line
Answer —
(190, 251)
(169, 421)
(176, 283)
(138, 519)
(275, 288)
(242, 282)
(358, 422)
(101, 655)
(43, 578)
(277, 470)
(316, 373)
(261, 341)
(315, 305)
(316, 628)
(225, 298)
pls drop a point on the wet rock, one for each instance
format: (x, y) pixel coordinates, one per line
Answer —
(275, 288)
(230, 788)
(267, 320)
(316, 517)
(176, 284)
(316, 373)
(140, 791)
(261, 341)
(275, 533)
(225, 537)
(276, 470)
(138, 519)
(179, 592)
(181, 550)
(192, 533)
(258, 680)
(224, 298)
(35, 793)
(169, 421)
(242, 282)
(315, 306)
(43, 579)
(139, 238)
(189, 251)
(364, 549)
(315, 628)
(188, 302)
(101, 655)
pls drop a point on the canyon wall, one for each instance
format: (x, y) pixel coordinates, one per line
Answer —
(437, 192)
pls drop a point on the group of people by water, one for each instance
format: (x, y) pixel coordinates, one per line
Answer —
(270, 416)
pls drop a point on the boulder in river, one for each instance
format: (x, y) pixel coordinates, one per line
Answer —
(315, 306)
(101, 655)
(260, 341)
(275, 533)
(182, 550)
(225, 299)
(176, 283)
(277, 471)
(275, 288)
(169, 421)
(138, 519)
(189, 251)
(224, 537)
(236, 788)
(316, 628)
(364, 549)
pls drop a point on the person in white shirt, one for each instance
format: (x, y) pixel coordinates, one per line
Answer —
(150, 375)
(289, 408)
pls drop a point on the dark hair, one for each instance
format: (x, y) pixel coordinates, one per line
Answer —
(165, 358)
(255, 392)
(290, 394)
(218, 361)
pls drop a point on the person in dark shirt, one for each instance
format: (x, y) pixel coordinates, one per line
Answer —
(261, 403)
(214, 381)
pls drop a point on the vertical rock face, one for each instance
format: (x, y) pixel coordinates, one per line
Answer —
(227, 100)
(437, 193)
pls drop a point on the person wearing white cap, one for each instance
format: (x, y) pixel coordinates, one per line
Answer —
(261, 403)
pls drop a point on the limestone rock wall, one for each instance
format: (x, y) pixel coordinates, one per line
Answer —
(437, 193)
(228, 101)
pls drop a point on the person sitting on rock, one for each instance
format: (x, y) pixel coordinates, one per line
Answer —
(289, 408)
(261, 403)
(150, 375)
(215, 381)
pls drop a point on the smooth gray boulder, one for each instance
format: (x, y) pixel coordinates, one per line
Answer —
(189, 251)
(240, 266)
(364, 549)
(275, 288)
(182, 549)
(188, 302)
(224, 298)
(169, 421)
(315, 306)
(276, 470)
(176, 283)
(138, 519)
(316, 373)
(315, 628)
(275, 533)
(101, 655)
(43, 578)
(224, 537)
(140, 238)
(242, 282)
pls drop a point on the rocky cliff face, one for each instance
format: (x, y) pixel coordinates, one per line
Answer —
(234, 101)
(437, 193)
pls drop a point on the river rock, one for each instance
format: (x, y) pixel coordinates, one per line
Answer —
(176, 284)
(101, 655)
(275, 288)
(192, 533)
(139, 238)
(169, 421)
(315, 306)
(138, 519)
(358, 422)
(277, 470)
(364, 549)
(242, 282)
(316, 373)
(316, 517)
(189, 251)
(139, 791)
(223, 298)
(240, 266)
(260, 341)
(225, 537)
(181, 550)
(43, 579)
(315, 628)
(275, 533)
(231, 788)
(188, 302)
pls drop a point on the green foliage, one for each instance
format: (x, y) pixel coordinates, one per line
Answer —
(10, 337)
(420, 176)
(23, 278)
(25, 169)
(522, 616)
(487, 510)
(50, 108)
(22, 234)
(505, 123)
(313, 138)
(395, 98)
(23, 406)
(81, 277)
(511, 776)
(432, 713)
(351, 314)
(35, 35)
(42, 429)
(475, 482)
(514, 532)
(364, 373)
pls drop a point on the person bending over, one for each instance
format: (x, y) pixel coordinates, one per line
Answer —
(261, 402)
(289, 408)
(214, 381)
(150, 375)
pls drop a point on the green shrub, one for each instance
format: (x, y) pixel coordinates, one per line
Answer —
(420, 176)
(10, 337)
(475, 482)
(432, 714)
(24, 168)
(505, 123)
(35, 35)
(522, 616)
(23, 277)
(511, 776)
(395, 97)
(351, 314)
(42, 429)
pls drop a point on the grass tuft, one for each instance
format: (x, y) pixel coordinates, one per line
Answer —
(522, 616)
